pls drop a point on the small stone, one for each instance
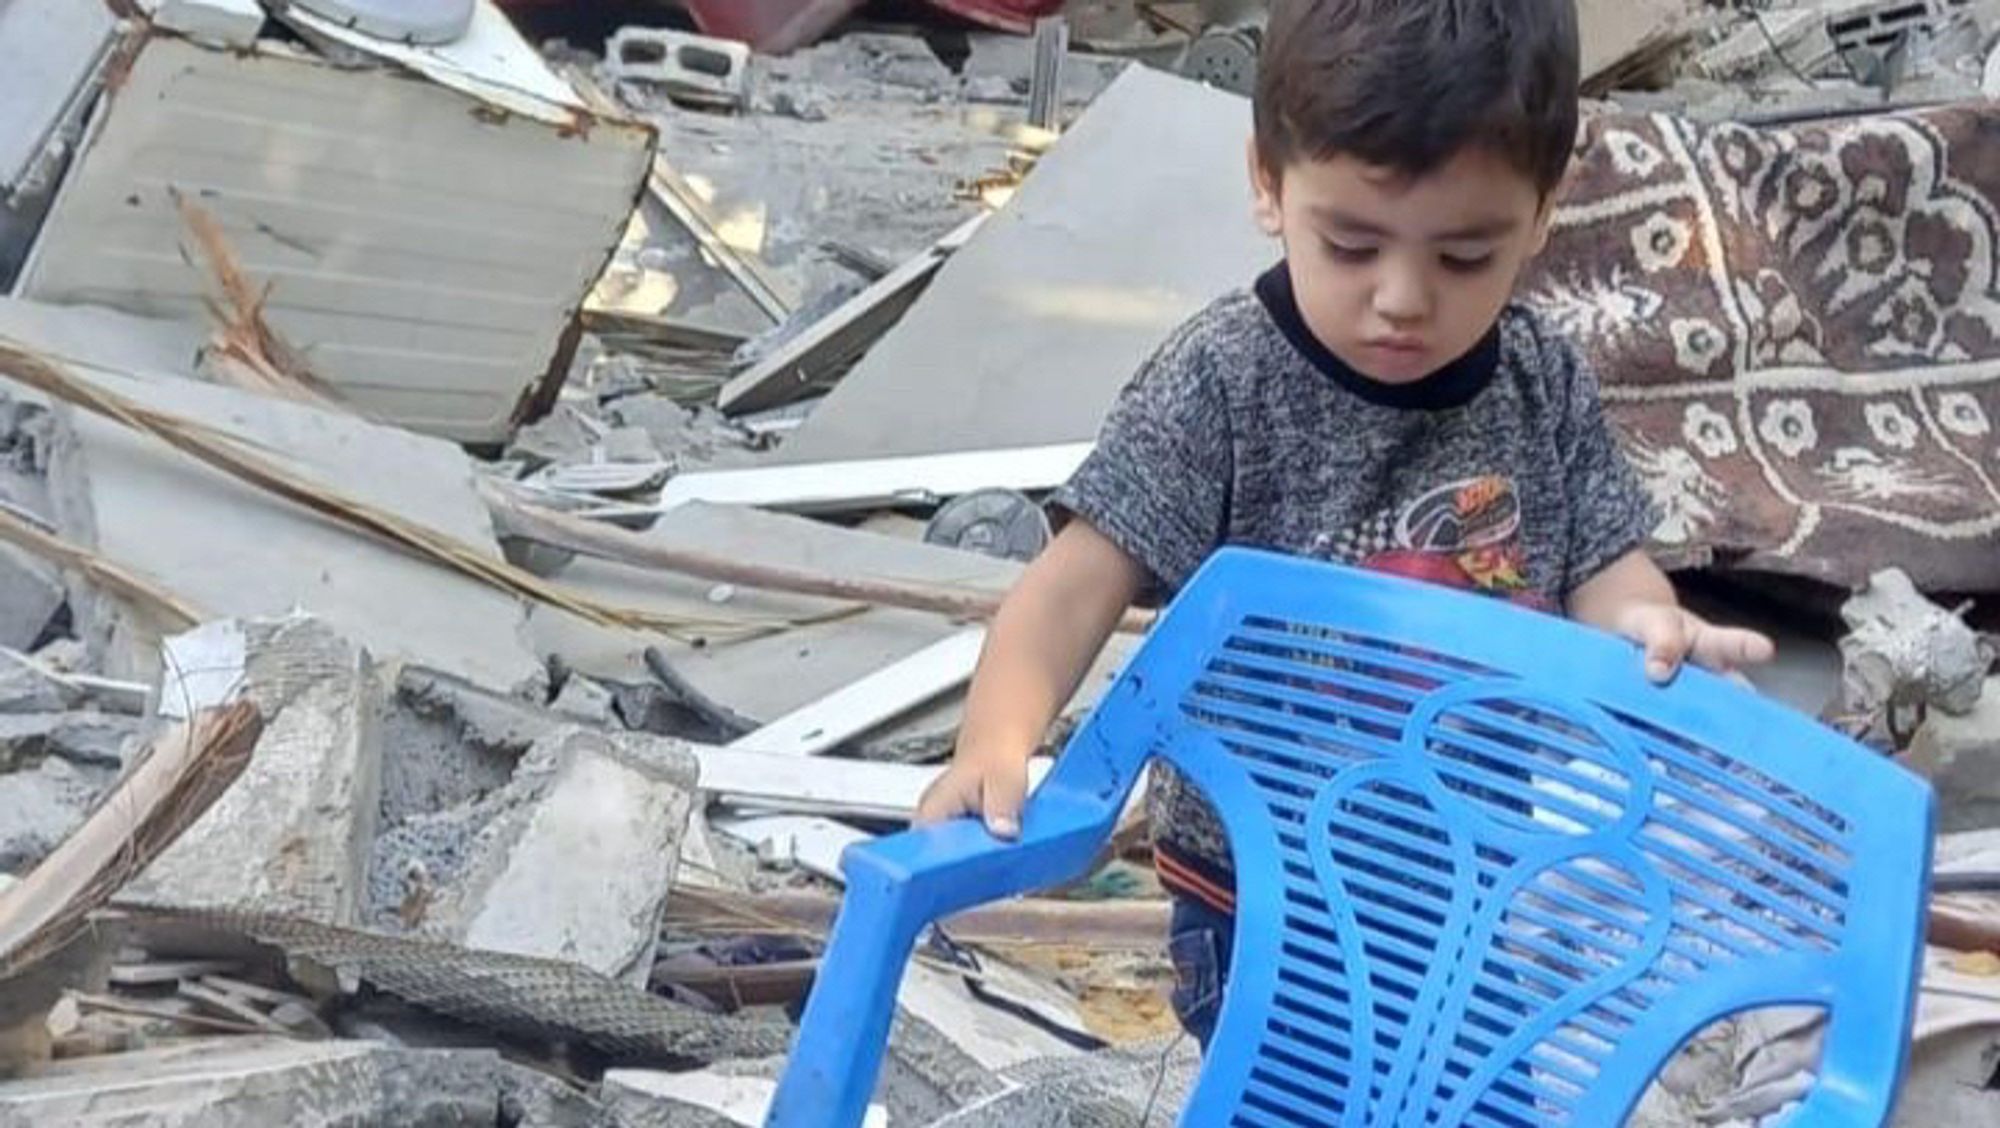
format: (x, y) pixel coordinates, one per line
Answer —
(805, 105)
(584, 700)
(628, 444)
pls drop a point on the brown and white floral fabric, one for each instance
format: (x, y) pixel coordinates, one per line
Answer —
(1798, 332)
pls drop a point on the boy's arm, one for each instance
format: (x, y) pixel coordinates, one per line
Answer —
(1042, 642)
(1633, 598)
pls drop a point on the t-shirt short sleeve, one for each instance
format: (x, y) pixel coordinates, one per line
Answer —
(1611, 513)
(1157, 483)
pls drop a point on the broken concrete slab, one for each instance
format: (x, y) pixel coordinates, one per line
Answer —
(1068, 288)
(578, 861)
(1960, 755)
(256, 1082)
(293, 835)
(234, 550)
(104, 339)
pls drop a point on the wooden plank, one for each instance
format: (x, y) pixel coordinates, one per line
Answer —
(230, 1007)
(1103, 925)
(874, 700)
(142, 1009)
(872, 483)
(805, 363)
(518, 517)
(168, 971)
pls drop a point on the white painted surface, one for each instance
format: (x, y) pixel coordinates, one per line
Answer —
(821, 785)
(871, 483)
(876, 699)
(490, 61)
(48, 49)
(813, 843)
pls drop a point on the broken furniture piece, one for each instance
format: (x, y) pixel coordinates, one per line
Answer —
(1447, 814)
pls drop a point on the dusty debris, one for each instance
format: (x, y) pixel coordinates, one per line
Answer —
(295, 837)
(1905, 656)
(1959, 752)
(580, 802)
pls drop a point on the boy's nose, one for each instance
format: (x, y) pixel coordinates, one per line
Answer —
(1402, 296)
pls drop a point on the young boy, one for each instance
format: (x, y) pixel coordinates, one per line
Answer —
(1374, 399)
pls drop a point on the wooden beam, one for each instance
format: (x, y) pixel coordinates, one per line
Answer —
(1106, 925)
(519, 517)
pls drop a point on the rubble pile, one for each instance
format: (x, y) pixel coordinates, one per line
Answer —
(484, 526)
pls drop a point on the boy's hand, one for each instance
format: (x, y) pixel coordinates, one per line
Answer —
(1672, 635)
(991, 785)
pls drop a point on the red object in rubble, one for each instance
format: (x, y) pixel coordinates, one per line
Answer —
(1005, 15)
(777, 26)
(771, 26)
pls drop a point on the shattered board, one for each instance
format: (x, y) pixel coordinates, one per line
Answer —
(1799, 334)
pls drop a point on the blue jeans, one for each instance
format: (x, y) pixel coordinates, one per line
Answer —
(1199, 939)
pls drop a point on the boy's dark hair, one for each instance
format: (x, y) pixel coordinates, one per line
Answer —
(1408, 84)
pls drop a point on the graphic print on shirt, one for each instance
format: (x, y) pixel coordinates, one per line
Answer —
(1465, 534)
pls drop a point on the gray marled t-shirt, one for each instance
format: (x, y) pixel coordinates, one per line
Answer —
(1497, 474)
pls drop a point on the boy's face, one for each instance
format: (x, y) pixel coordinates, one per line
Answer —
(1399, 276)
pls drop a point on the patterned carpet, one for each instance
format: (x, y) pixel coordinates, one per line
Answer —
(1798, 332)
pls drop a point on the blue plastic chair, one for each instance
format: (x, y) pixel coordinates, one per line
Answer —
(1487, 874)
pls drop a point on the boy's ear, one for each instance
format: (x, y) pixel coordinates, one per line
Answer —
(1264, 206)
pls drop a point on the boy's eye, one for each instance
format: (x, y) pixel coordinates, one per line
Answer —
(1344, 253)
(1467, 264)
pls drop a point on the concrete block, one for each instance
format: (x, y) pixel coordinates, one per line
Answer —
(293, 835)
(694, 68)
(31, 592)
(258, 1082)
(579, 856)
(235, 551)
(1960, 755)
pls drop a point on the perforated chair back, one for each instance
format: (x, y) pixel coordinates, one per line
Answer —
(1486, 874)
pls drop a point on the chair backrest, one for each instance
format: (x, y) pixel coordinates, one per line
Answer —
(1487, 875)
